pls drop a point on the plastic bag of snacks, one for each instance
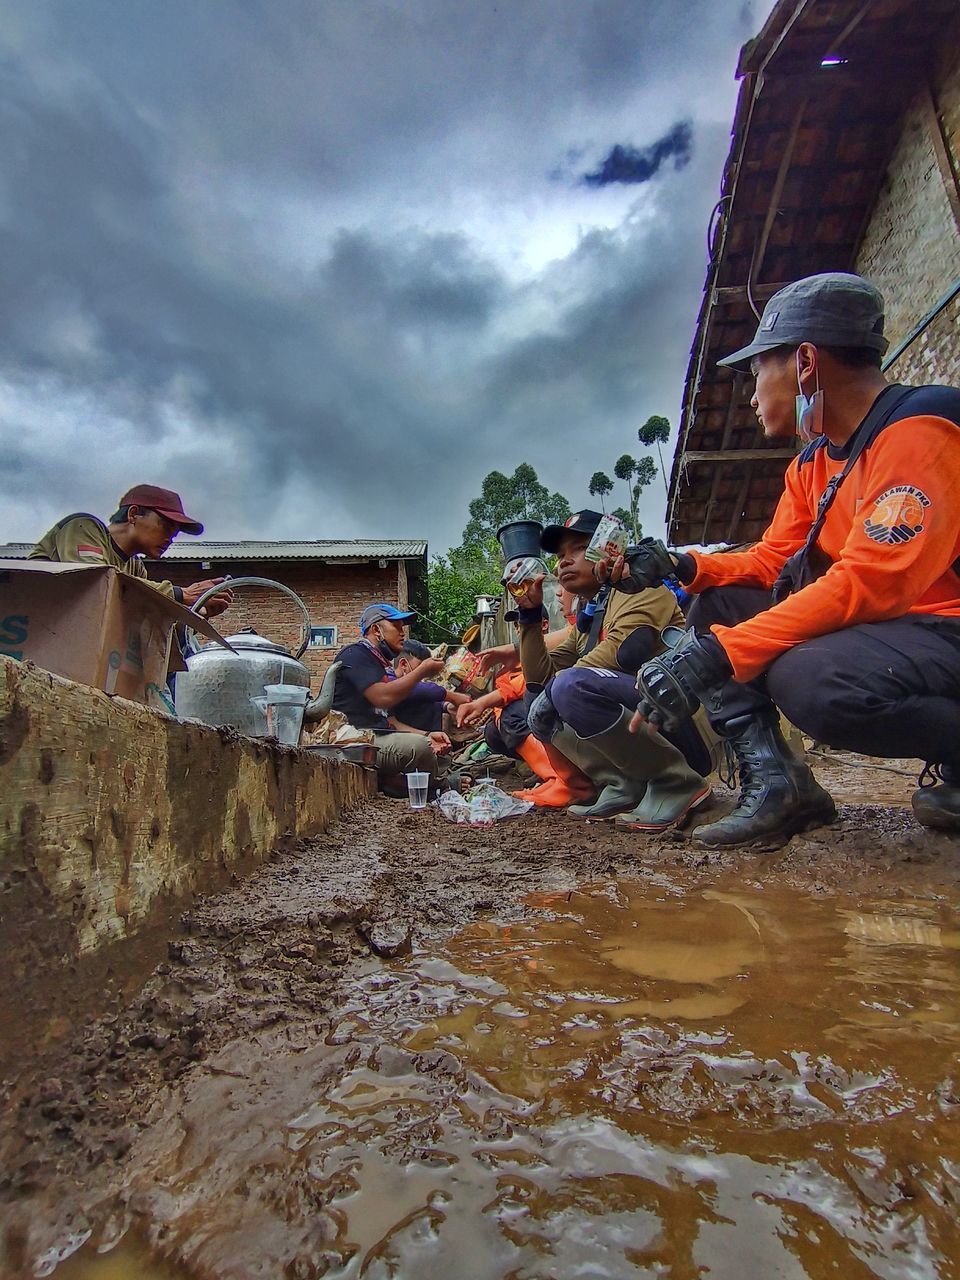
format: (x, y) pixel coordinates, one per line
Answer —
(461, 671)
(481, 806)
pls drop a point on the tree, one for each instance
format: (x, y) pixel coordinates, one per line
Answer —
(505, 498)
(600, 486)
(636, 475)
(453, 584)
(623, 469)
(656, 430)
(454, 581)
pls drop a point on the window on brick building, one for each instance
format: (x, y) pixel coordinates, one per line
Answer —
(323, 637)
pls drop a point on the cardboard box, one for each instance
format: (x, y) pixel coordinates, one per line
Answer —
(93, 624)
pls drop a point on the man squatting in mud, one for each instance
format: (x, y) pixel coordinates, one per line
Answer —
(846, 614)
(645, 784)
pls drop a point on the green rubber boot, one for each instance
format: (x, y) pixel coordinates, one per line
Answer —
(617, 793)
(616, 797)
(670, 797)
(633, 763)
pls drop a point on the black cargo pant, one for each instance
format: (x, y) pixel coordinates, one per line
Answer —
(880, 688)
(505, 737)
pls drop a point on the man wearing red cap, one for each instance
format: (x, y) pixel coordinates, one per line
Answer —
(146, 521)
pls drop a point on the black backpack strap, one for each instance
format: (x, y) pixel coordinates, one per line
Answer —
(883, 411)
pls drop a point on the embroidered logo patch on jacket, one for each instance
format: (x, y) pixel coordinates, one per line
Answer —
(898, 515)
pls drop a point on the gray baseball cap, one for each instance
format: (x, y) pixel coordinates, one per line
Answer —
(834, 309)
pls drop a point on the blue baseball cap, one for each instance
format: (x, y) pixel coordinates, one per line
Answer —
(382, 613)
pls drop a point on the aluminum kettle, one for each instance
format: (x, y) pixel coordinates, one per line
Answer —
(224, 688)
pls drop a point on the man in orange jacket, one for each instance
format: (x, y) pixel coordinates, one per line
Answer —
(846, 614)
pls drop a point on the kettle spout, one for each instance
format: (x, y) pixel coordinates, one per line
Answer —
(321, 704)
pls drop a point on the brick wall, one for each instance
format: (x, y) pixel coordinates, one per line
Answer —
(335, 595)
(911, 246)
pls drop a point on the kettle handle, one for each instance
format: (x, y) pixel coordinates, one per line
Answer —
(231, 583)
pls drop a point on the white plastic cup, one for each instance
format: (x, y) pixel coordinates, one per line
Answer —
(284, 709)
(417, 787)
(293, 694)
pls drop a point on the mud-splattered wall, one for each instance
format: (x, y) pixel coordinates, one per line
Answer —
(111, 813)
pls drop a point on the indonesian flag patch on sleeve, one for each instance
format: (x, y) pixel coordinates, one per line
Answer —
(87, 552)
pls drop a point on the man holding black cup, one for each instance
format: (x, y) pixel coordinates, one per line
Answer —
(582, 693)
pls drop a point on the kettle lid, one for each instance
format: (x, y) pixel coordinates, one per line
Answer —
(250, 640)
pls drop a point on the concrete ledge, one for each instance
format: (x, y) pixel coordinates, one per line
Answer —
(110, 812)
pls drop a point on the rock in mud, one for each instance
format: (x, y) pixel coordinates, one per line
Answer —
(387, 938)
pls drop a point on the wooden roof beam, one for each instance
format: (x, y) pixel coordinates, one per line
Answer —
(736, 455)
(941, 149)
(726, 294)
(773, 207)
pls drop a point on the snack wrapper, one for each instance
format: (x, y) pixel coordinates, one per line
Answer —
(609, 541)
(461, 672)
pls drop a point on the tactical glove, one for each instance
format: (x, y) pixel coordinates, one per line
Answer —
(673, 685)
(542, 718)
(648, 563)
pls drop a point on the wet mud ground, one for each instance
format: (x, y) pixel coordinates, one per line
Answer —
(538, 1051)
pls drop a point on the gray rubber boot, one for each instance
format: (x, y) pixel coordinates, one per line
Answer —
(633, 762)
(779, 796)
(938, 806)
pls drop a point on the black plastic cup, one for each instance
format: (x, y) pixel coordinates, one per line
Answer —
(520, 538)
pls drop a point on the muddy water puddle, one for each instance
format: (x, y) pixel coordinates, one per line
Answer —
(640, 1079)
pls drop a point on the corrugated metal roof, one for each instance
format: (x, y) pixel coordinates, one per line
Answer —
(191, 549)
(351, 549)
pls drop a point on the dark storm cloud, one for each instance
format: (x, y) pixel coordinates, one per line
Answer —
(627, 164)
(238, 256)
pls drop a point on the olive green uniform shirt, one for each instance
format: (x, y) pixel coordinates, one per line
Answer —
(656, 608)
(86, 539)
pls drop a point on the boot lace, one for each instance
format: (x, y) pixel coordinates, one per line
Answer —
(930, 775)
(752, 780)
(728, 765)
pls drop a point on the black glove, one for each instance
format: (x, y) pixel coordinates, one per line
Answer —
(649, 563)
(542, 718)
(673, 685)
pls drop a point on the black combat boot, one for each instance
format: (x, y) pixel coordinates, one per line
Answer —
(779, 796)
(938, 806)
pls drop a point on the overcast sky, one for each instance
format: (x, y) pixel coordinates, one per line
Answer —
(320, 265)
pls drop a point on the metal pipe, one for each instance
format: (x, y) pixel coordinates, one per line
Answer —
(918, 328)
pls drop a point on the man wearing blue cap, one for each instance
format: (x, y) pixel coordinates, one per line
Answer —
(368, 690)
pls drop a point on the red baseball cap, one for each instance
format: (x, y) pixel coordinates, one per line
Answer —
(165, 502)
